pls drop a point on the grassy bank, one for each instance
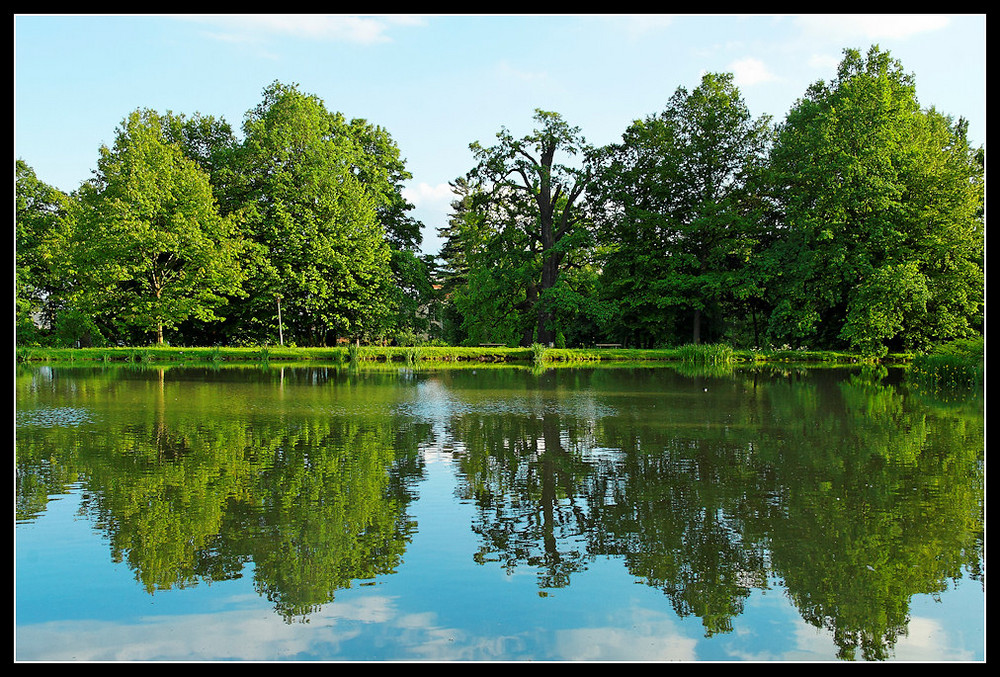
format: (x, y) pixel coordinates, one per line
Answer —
(702, 354)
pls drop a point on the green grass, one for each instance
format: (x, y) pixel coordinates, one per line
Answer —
(701, 354)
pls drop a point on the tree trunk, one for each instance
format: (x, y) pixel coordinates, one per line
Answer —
(530, 301)
(550, 274)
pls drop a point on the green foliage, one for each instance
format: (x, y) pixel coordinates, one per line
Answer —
(41, 221)
(522, 226)
(677, 226)
(856, 224)
(310, 199)
(149, 246)
(879, 216)
(73, 328)
(880, 306)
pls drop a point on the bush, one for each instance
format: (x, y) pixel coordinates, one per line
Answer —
(73, 329)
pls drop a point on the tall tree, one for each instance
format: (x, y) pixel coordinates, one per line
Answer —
(674, 208)
(384, 171)
(455, 255)
(150, 248)
(881, 237)
(535, 199)
(310, 198)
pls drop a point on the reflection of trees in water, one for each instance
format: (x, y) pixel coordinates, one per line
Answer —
(330, 509)
(677, 516)
(832, 485)
(852, 494)
(526, 486)
(884, 501)
(192, 488)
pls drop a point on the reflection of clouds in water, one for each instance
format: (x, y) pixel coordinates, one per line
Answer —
(261, 635)
(439, 405)
(53, 417)
(646, 636)
(256, 635)
(436, 402)
(928, 640)
(454, 645)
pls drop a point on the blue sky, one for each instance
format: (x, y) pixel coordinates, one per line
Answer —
(439, 82)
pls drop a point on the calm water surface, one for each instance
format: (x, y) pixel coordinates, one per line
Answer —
(609, 513)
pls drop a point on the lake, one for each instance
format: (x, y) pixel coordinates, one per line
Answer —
(496, 513)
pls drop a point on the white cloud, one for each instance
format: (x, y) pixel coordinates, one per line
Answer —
(637, 634)
(928, 640)
(750, 71)
(432, 208)
(320, 27)
(870, 26)
(424, 195)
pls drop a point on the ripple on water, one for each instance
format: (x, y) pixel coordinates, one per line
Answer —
(53, 417)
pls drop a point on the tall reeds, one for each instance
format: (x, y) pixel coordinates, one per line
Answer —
(956, 365)
(707, 353)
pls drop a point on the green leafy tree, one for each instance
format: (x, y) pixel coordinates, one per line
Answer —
(384, 172)
(150, 248)
(880, 239)
(460, 237)
(534, 203)
(310, 196)
(496, 302)
(676, 214)
(211, 143)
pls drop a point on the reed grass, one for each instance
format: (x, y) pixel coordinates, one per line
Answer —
(956, 365)
(707, 353)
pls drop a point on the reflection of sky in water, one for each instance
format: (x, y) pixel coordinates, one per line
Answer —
(436, 402)
(74, 604)
(52, 417)
(438, 606)
(259, 636)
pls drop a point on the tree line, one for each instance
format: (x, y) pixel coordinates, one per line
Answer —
(857, 223)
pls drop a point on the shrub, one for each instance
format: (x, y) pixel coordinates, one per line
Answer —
(72, 328)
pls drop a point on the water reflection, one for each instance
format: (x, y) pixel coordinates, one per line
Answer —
(843, 490)
(190, 482)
